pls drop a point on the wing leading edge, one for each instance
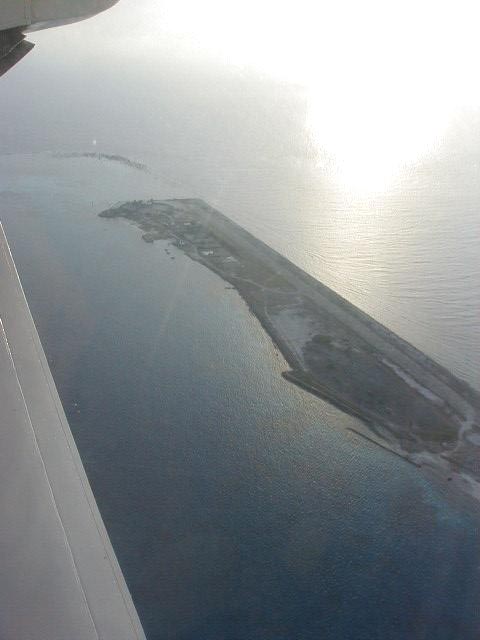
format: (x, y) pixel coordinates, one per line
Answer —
(59, 574)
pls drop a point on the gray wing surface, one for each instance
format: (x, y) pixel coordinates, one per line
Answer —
(18, 16)
(13, 47)
(40, 14)
(59, 577)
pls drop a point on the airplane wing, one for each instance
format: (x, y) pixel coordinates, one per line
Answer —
(19, 16)
(13, 47)
(41, 14)
(59, 577)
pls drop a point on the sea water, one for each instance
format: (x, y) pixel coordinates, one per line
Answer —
(239, 506)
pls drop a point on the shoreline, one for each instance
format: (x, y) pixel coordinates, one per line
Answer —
(416, 407)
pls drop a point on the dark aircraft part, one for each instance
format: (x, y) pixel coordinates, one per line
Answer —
(13, 47)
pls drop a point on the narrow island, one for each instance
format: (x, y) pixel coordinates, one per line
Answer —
(408, 403)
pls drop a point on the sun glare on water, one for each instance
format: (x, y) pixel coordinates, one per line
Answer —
(381, 78)
(367, 145)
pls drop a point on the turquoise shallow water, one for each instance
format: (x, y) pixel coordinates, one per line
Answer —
(239, 506)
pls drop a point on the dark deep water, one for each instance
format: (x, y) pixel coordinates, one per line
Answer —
(239, 506)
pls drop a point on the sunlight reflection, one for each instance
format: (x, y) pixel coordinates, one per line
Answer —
(381, 78)
(367, 144)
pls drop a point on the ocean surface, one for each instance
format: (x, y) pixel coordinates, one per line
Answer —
(239, 506)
